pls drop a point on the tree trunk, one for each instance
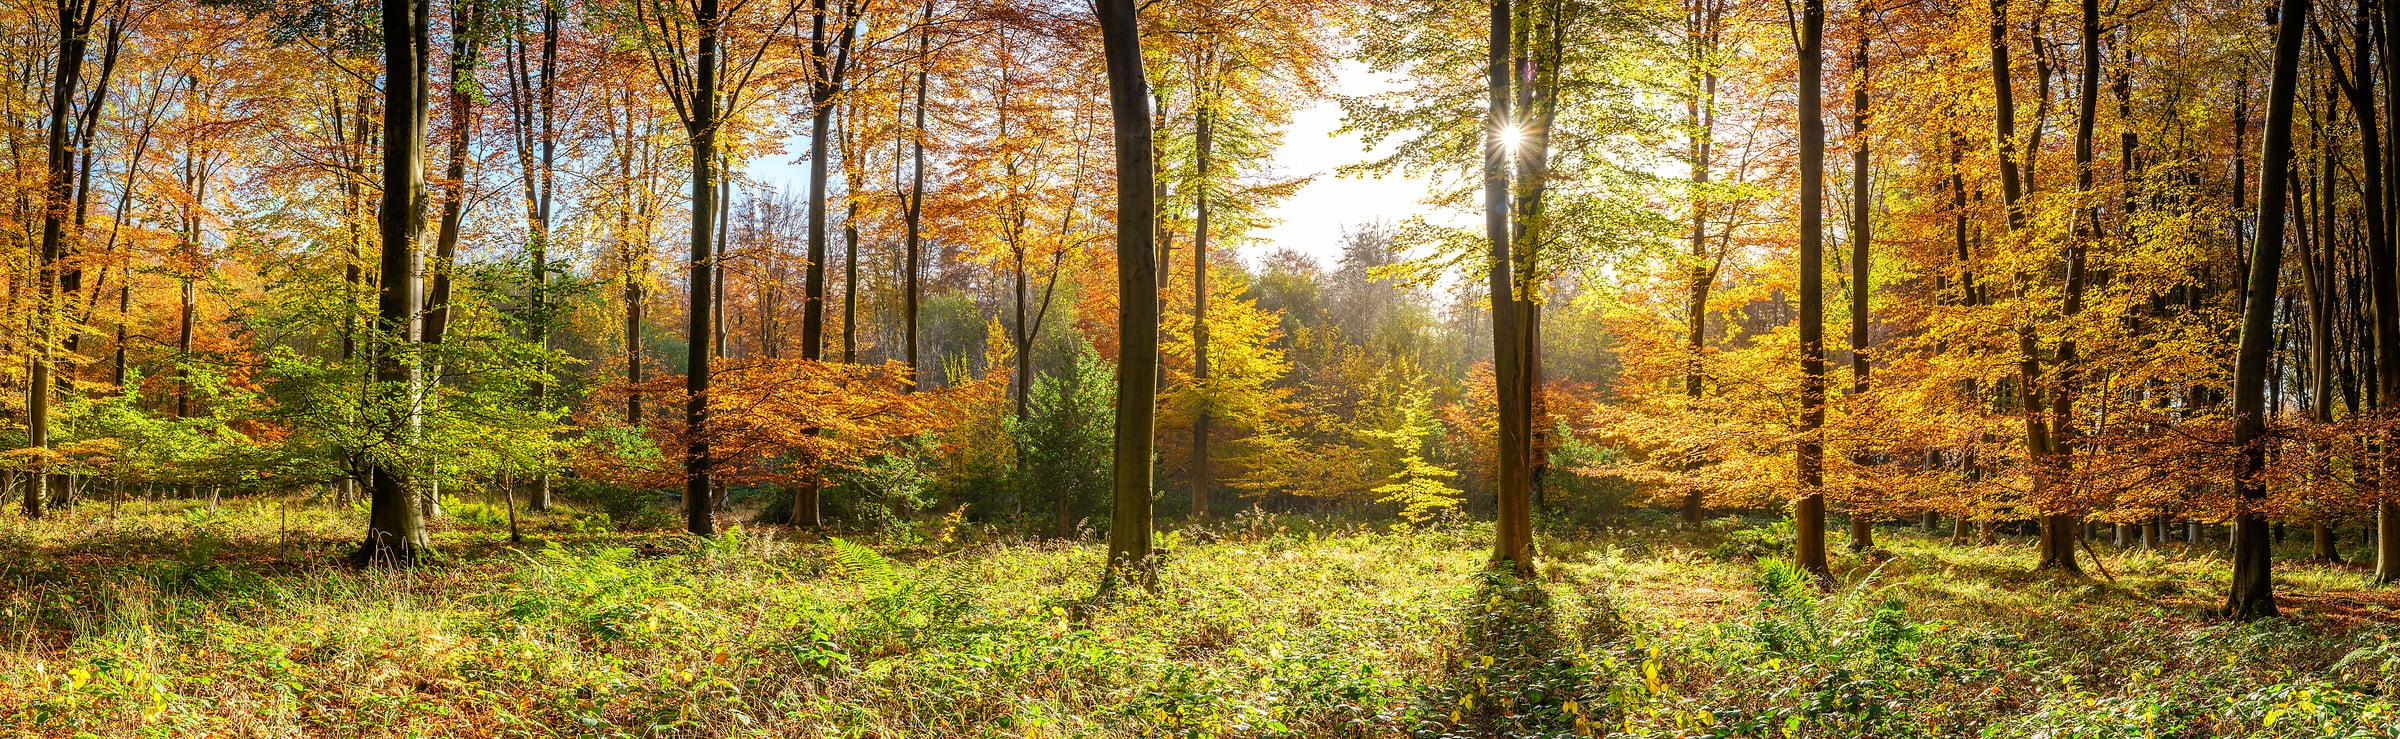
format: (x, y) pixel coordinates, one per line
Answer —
(820, 126)
(916, 199)
(2384, 285)
(2253, 591)
(1809, 513)
(699, 519)
(395, 531)
(1200, 191)
(1129, 534)
(74, 27)
(1703, 111)
(463, 52)
(1513, 540)
(1862, 526)
(2058, 550)
(537, 129)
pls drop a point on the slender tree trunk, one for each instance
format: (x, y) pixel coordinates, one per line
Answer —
(2253, 591)
(1862, 525)
(395, 530)
(916, 198)
(464, 50)
(812, 309)
(539, 189)
(1703, 111)
(1809, 512)
(2060, 525)
(1202, 128)
(1129, 533)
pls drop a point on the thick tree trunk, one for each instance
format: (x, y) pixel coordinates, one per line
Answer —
(1129, 533)
(1513, 541)
(2384, 285)
(395, 530)
(698, 513)
(1809, 513)
(74, 26)
(2253, 591)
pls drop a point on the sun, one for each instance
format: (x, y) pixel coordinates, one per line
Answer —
(1512, 136)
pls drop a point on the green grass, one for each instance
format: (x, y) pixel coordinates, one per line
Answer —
(169, 620)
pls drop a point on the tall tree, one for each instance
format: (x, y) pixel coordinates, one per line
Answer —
(1809, 546)
(2383, 282)
(687, 53)
(395, 528)
(1129, 532)
(1512, 545)
(829, 62)
(75, 18)
(1862, 525)
(533, 100)
(2253, 591)
(1204, 106)
(2060, 526)
(916, 200)
(1703, 34)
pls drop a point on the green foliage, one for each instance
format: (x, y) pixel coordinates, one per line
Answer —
(1418, 486)
(886, 491)
(1068, 438)
(1752, 542)
(1632, 633)
(619, 505)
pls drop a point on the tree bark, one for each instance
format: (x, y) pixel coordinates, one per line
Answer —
(2060, 525)
(1129, 533)
(916, 199)
(1808, 550)
(698, 514)
(1703, 29)
(74, 28)
(2384, 286)
(2253, 591)
(1203, 107)
(395, 530)
(1513, 532)
(1862, 525)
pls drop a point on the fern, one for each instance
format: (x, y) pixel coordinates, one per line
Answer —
(851, 559)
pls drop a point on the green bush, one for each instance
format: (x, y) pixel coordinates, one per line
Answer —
(1756, 542)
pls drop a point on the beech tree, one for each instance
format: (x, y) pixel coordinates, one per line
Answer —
(1129, 532)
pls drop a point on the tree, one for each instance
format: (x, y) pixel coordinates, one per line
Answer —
(1862, 525)
(704, 104)
(2253, 591)
(915, 217)
(395, 528)
(1513, 543)
(532, 81)
(1129, 534)
(1809, 512)
(75, 18)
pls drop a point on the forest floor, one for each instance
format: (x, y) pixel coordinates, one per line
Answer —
(175, 620)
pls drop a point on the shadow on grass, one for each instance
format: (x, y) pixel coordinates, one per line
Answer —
(1514, 669)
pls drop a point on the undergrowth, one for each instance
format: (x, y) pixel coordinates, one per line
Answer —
(171, 621)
